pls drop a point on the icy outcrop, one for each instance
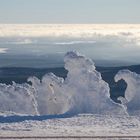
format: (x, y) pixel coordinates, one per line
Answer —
(132, 93)
(83, 91)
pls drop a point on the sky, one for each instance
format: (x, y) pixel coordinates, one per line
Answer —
(69, 11)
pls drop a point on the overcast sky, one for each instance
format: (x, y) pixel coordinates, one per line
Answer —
(69, 11)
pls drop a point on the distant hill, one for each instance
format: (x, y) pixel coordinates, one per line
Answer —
(20, 75)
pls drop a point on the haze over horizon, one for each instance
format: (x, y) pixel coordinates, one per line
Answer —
(24, 45)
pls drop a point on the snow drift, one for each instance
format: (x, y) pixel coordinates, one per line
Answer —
(83, 91)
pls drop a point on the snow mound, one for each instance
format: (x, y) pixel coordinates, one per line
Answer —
(83, 91)
(17, 98)
(49, 94)
(132, 93)
(89, 92)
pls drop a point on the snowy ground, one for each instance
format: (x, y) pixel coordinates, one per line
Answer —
(81, 125)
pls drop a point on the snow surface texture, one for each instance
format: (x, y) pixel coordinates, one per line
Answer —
(81, 125)
(83, 91)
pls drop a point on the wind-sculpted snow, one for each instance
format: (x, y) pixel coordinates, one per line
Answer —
(17, 98)
(83, 91)
(49, 94)
(132, 93)
(89, 93)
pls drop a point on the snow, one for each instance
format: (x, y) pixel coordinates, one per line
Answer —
(81, 125)
(83, 91)
(90, 93)
(17, 99)
(132, 95)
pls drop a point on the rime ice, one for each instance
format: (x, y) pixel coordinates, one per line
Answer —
(83, 91)
(132, 93)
